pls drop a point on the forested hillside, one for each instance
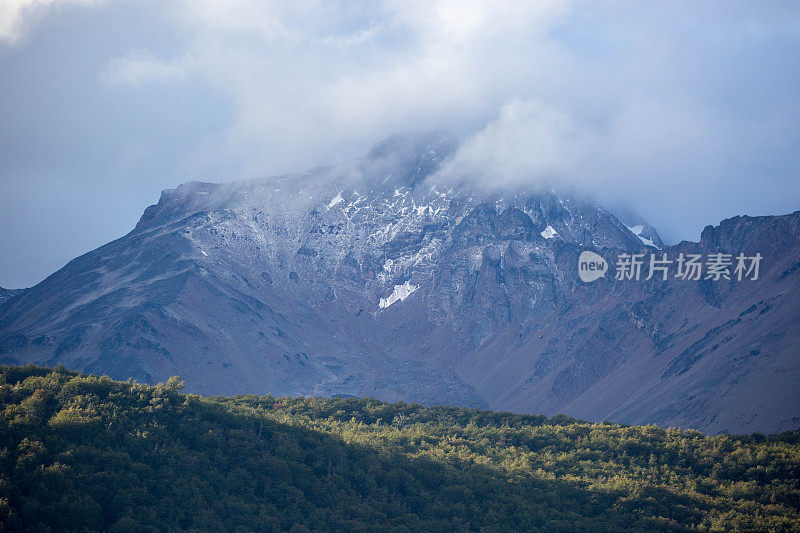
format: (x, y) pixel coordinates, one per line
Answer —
(82, 453)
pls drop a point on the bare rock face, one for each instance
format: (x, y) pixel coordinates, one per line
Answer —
(378, 280)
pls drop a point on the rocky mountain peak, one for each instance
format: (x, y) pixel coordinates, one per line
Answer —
(372, 279)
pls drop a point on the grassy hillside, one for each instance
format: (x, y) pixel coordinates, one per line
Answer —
(84, 453)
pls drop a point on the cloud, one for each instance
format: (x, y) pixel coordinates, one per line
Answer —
(139, 66)
(529, 143)
(687, 110)
(313, 82)
(662, 156)
(16, 16)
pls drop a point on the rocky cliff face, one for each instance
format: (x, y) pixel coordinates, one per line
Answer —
(374, 280)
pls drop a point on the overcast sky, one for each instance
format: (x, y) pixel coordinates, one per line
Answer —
(689, 111)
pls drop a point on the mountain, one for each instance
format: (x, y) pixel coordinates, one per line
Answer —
(376, 279)
(86, 453)
(638, 226)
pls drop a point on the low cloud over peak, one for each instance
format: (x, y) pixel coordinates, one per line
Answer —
(686, 110)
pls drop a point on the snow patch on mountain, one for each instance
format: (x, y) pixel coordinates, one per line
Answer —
(336, 200)
(549, 232)
(637, 230)
(400, 293)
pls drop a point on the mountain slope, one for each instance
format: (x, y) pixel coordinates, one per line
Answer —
(83, 453)
(376, 280)
(719, 356)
